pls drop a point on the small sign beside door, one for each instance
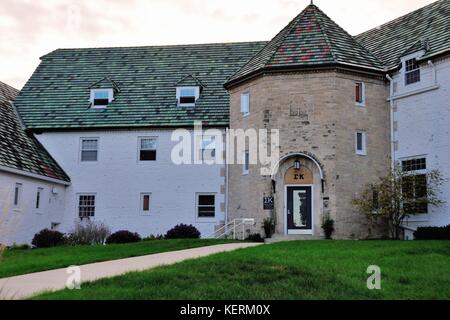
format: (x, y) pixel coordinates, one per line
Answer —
(268, 203)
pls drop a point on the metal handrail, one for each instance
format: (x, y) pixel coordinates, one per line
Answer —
(231, 226)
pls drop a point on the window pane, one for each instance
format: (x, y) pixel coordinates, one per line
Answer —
(187, 92)
(148, 144)
(358, 88)
(187, 100)
(206, 200)
(147, 155)
(89, 144)
(359, 141)
(101, 95)
(206, 211)
(86, 207)
(88, 155)
(16, 193)
(414, 164)
(146, 202)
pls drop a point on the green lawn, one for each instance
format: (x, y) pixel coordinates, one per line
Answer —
(289, 270)
(15, 262)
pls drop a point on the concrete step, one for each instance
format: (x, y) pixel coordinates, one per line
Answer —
(281, 237)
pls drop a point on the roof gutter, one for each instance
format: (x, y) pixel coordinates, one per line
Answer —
(33, 175)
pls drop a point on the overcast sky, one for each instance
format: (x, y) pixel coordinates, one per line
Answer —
(31, 28)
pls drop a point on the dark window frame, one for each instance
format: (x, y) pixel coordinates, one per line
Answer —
(206, 208)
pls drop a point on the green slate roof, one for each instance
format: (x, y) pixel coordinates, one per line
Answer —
(19, 150)
(397, 38)
(57, 94)
(310, 39)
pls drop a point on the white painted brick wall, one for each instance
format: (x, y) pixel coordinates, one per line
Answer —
(118, 179)
(19, 224)
(423, 122)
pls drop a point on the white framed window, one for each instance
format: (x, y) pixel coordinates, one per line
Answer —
(206, 205)
(245, 103)
(86, 205)
(187, 96)
(39, 193)
(17, 194)
(360, 93)
(89, 149)
(246, 163)
(147, 148)
(412, 71)
(145, 203)
(208, 150)
(100, 98)
(360, 143)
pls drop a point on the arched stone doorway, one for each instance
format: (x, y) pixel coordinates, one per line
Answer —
(298, 187)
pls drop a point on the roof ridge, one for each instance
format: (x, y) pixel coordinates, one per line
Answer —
(327, 40)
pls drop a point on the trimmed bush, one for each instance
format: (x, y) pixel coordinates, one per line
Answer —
(328, 228)
(48, 238)
(255, 237)
(88, 233)
(183, 231)
(123, 236)
(432, 233)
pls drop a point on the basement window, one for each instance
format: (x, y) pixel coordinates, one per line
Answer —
(100, 98)
(187, 96)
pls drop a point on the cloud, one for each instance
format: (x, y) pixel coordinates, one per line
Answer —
(32, 28)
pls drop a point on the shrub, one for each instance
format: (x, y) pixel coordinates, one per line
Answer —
(88, 233)
(19, 247)
(432, 233)
(328, 228)
(153, 237)
(48, 238)
(269, 227)
(123, 236)
(183, 231)
(255, 237)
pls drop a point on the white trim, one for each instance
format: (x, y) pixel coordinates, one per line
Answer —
(33, 175)
(298, 232)
(414, 92)
(299, 154)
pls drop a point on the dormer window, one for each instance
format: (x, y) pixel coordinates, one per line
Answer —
(412, 71)
(187, 96)
(100, 98)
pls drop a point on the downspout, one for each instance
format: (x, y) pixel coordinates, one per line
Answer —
(391, 102)
(226, 175)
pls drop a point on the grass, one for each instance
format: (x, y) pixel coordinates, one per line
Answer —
(289, 270)
(16, 262)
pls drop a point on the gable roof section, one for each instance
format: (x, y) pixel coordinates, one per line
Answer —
(310, 39)
(105, 83)
(57, 94)
(390, 41)
(19, 150)
(189, 80)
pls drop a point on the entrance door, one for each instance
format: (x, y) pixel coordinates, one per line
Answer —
(299, 212)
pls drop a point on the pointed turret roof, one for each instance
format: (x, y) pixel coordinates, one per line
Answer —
(310, 39)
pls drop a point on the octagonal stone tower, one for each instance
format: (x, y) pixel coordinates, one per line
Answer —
(327, 96)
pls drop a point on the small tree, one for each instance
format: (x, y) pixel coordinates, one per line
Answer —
(400, 194)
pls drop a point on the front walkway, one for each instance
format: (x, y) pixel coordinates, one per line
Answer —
(25, 286)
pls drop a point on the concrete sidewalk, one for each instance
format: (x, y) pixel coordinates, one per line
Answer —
(25, 286)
